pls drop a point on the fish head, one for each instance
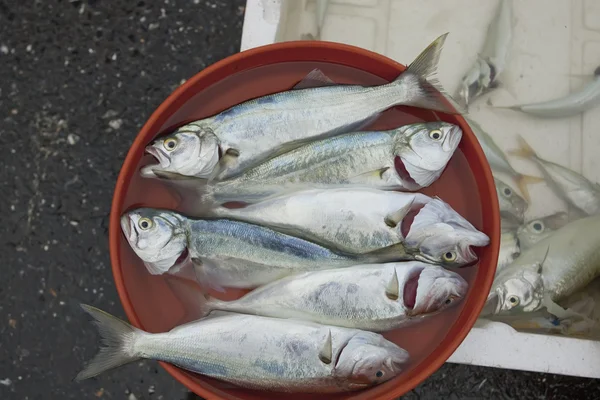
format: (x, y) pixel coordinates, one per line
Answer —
(516, 289)
(191, 151)
(436, 289)
(476, 81)
(423, 150)
(538, 229)
(511, 203)
(369, 359)
(439, 235)
(158, 237)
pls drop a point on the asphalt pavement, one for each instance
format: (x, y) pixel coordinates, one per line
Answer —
(77, 81)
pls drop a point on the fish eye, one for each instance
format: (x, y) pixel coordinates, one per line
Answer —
(513, 300)
(435, 134)
(448, 301)
(449, 256)
(145, 223)
(170, 144)
(379, 374)
(507, 192)
(537, 226)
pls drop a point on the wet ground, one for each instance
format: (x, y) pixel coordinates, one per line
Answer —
(77, 81)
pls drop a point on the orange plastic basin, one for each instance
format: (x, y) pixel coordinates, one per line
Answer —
(466, 184)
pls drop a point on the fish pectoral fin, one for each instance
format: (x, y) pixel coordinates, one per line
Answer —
(228, 159)
(394, 218)
(315, 78)
(392, 290)
(395, 252)
(206, 276)
(326, 353)
(369, 176)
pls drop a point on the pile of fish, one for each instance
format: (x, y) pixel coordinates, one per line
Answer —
(333, 241)
(549, 267)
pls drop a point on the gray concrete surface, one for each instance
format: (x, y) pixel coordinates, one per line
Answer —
(77, 81)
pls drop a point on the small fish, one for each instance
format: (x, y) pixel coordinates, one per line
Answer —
(535, 230)
(255, 352)
(373, 297)
(498, 161)
(228, 253)
(509, 250)
(576, 190)
(568, 106)
(483, 75)
(509, 224)
(408, 158)
(549, 271)
(242, 136)
(363, 220)
(512, 206)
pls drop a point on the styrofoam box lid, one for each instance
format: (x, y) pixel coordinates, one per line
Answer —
(555, 43)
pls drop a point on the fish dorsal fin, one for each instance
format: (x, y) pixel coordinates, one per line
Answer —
(392, 291)
(326, 353)
(315, 78)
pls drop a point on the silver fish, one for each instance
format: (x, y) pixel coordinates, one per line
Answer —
(373, 297)
(363, 220)
(509, 224)
(255, 130)
(491, 60)
(512, 206)
(498, 161)
(568, 106)
(576, 190)
(509, 250)
(535, 230)
(255, 352)
(408, 158)
(226, 253)
(552, 269)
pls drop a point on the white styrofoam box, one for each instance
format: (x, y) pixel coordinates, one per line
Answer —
(555, 43)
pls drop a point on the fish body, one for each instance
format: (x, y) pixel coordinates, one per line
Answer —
(241, 255)
(491, 60)
(256, 352)
(509, 250)
(227, 253)
(363, 220)
(555, 267)
(244, 135)
(512, 206)
(497, 159)
(568, 106)
(537, 229)
(408, 158)
(575, 189)
(374, 297)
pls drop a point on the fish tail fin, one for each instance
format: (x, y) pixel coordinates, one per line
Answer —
(431, 93)
(395, 252)
(118, 338)
(523, 181)
(524, 150)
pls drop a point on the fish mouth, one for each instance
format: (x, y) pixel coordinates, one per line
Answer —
(492, 305)
(128, 228)
(160, 156)
(453, 138)
(411, 285)
(404, 175)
